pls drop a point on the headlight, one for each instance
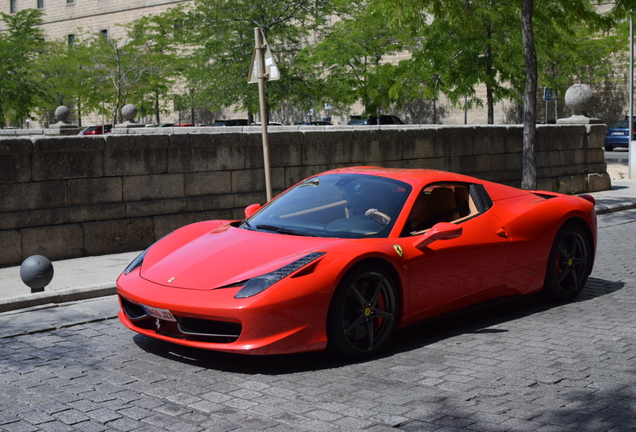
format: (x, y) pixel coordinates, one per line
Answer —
(136, 262)
(261, 283)
(140, 259)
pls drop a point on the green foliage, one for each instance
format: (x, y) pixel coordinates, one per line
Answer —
(20, 85)
(352, 61)
(219, 36)
(328, 51)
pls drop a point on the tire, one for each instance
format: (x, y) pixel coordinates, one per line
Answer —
(609, 147)
(363, 313)
(569, 263)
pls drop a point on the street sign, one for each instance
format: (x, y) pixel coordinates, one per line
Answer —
(271, 70)
(547, 94)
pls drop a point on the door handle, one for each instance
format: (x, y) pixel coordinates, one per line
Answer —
(501, 232)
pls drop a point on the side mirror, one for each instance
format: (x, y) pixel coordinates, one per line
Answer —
(439, 231)
(251, 209)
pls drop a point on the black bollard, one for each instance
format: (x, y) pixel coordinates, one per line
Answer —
(36, 272)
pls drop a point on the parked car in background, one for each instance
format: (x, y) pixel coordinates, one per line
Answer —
(161, 125)
(314, 123)
(269, 124)
(372, 120)
(98, 130)
(83, 128)
(617, 135)
(231, 122)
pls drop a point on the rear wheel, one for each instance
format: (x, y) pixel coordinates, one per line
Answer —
(569, 263)
(609, 147)
(363, 313)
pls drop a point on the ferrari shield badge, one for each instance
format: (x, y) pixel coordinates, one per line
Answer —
(399, 250)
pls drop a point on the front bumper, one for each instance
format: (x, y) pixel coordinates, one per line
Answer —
(286, 318)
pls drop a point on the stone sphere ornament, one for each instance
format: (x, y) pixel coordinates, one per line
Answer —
(36, 272)
(129, 112)
(579, 98)
(62, 113)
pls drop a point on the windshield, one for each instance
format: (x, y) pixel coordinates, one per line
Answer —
(619, 125)
(335, 205)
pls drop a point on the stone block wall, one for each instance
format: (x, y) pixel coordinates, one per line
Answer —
(65, 197)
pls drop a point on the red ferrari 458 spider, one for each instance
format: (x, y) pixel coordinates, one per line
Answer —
(343, 258)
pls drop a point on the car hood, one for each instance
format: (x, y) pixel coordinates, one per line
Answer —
(224, 256)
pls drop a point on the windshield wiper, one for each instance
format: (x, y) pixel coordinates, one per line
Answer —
(283, 230)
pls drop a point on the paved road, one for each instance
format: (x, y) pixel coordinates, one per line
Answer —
(618, 155)
(520, 366)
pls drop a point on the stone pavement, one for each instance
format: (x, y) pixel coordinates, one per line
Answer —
(519, 366)
(92, 277)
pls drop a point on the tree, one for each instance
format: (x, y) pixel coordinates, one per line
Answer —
(155, 36)
(219, 38)
(124, 69)
(19, 45)
(352, 60)
(60, 87)
(529, 171)
(460, 45)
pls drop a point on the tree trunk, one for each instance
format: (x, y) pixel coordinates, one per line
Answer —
(489, 74)
(529, 172)
(157, 110)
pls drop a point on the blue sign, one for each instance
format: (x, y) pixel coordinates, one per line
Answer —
(547, 94)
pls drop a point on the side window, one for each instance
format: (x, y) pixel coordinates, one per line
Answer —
(444, 202)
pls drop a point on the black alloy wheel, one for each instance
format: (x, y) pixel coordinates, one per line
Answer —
(363, 313)
(569, 263)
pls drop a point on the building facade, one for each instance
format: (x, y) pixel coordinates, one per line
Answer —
(68, 18)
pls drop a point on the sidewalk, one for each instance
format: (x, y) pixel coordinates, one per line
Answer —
(73, 279)
(90, 277)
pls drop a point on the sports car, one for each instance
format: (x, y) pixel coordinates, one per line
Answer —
(344, 258)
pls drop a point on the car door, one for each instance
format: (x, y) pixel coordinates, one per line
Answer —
(455, 272)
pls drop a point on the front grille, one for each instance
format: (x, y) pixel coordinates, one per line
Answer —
(188, 328)
(134, 311)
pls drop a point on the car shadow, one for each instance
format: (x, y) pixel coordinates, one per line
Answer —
(485, 318)
(489, 317)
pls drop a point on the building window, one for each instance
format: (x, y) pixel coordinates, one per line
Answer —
(40, 4)
(71, 40)
(13, 6)
(70, 1)
(104, 33)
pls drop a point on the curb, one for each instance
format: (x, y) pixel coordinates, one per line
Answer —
(611, 208)
(56, 297)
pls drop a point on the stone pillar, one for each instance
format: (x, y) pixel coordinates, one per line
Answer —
(128, 112)
(62, 126)
(579, 98)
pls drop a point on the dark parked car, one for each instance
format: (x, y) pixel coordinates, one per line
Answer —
(98, 130)
(617, 135)
(231, 122)
(314, 123)
(371, 120)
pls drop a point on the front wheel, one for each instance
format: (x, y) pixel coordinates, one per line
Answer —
(569, 263)
(363, 313)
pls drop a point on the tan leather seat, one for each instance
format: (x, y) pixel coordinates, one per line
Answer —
(441, 205)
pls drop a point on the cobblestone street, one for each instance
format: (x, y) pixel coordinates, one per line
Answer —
(523, 365)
